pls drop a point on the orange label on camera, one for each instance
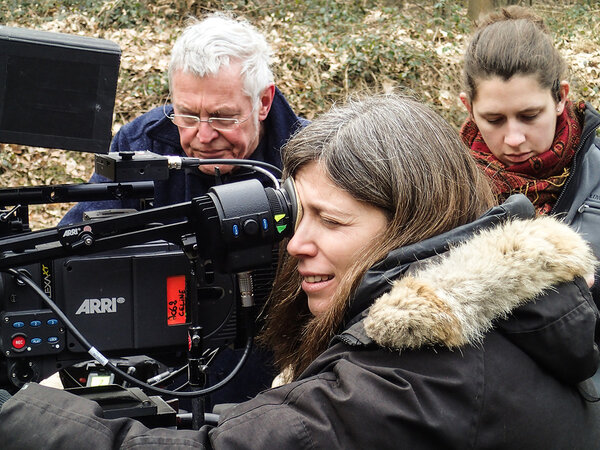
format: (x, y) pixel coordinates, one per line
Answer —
(176, 306)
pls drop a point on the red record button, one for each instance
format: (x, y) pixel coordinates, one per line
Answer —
(18, 342)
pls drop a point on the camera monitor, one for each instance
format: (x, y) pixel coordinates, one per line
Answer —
(57, 90)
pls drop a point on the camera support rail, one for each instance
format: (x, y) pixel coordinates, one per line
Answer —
(235, 225)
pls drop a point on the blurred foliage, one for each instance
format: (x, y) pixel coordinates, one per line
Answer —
(323, 50)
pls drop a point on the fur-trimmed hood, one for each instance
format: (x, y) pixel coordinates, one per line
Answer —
(452, 289)
(454, 299)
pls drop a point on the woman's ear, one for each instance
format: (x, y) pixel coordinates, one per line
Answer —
(564, 95)
(465, 101)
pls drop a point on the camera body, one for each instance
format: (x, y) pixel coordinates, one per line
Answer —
(139, 298)
(130, 301)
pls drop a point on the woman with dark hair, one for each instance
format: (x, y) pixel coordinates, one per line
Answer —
(407, 313)
(523, 130)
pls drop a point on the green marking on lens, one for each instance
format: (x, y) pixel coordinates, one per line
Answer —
(280, 228)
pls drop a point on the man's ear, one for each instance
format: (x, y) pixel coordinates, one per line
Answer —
(266, 100)
(465, 101)
(564, 95)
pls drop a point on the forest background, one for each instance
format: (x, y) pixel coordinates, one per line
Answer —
(323, 51)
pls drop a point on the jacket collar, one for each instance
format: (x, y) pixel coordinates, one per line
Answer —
(590, 123)
(571, 188)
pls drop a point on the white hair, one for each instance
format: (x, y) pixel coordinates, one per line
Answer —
(206, 46)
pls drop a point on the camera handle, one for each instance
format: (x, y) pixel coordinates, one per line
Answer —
(196, 362)
(196, 375)
(197, 366)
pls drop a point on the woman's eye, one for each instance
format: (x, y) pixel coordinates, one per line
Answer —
(529, 117)
(493, 119)
(330, 222)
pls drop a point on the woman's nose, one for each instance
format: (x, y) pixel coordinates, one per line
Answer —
(514, 135)
(302, 244)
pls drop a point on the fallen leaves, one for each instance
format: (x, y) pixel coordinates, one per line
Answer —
(318, 59)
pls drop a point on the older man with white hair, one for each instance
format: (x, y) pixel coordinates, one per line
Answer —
(223, 104)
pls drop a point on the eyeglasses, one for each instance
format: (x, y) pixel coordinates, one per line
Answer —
(217, 123)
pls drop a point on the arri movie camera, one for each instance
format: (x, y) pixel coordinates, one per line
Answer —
(162, 282)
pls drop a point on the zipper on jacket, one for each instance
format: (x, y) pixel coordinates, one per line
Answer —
(353, 342)
(589, 207)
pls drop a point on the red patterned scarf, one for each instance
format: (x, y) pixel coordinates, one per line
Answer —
(541, 177)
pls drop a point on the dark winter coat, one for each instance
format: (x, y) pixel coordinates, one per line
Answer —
(487, 345)
(579, 201)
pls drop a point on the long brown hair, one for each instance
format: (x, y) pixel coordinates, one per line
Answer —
(391, 152)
